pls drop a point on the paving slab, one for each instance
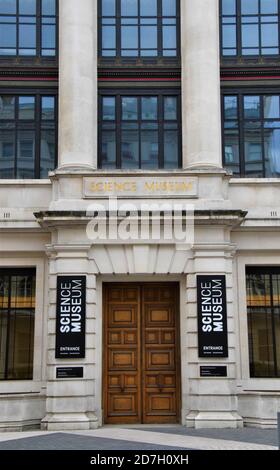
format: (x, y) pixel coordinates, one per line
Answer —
(250, 435)
(62, 441)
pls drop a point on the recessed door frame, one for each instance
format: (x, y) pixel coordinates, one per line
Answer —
(178, 361)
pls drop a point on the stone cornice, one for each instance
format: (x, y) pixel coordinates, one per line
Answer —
(230, 218)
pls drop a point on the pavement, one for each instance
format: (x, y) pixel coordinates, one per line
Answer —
(142, 438)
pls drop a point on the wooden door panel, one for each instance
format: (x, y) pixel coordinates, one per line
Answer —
(124, 360)
(161, 405)
(159, 353)
(158, 359)
(122, 384)
(126, 337)
(123, 404)
(156, 317)
(122, 316)
(160, 381)
(125, 380)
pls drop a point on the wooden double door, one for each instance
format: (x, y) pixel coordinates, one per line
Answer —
(141, 353)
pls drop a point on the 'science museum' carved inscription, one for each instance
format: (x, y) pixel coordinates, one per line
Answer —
(140, 187)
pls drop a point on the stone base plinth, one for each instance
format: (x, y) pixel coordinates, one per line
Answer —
(214, 420)
(69, 422)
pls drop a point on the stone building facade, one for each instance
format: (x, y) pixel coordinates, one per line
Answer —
(142, 362)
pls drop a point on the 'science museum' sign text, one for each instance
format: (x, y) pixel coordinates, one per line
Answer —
(212, 316)
(70, 317)
(140, 187)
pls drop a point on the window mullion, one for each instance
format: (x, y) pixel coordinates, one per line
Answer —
(8, 328)
(179, 127)
(262, 134)
(160, 131)
(38, 28)
(118, 132)
(139, 110)
(17, 28)
(37, 129)
(239, 28)
(159, 28)
(139, 30)
(16, 122)
(260, 29)
(273, 327)
(118, 29)
(241, 134)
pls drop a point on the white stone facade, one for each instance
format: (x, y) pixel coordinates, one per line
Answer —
(236, 225)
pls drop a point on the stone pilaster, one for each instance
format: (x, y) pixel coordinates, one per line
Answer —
(77, 84)
(70, 403)
(212, 402)
(201, 125)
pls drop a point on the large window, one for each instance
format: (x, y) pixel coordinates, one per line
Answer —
(17, 312)
(139, 131)
(252, 134)
(27, 136)
(139, 28)
(250, 28)
(28, 28)
(263, 305)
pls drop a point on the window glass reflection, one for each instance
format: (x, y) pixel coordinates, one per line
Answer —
(171, 159)
(229, 7)
(149, 109)
(7, 151)
(108, 149)
(17, 313)
(263, 321)
(257, 24)
(7, 107)
(129, 7)
(22, 22)
(129, 109)
(47, 151)
(130, 149)
(170, 108)
(25, 154)
(27, 140)
(109, 108)
(148, 8)
(139, 132)
(252, 107)
(48, 7)
(48, 108)
(142, 28)
(149, 149)
(26, 107)
(27, 7)
(259, 125)
(8, 7)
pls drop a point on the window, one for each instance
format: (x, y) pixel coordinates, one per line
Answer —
(252, 134)
(250, 28)
(27, 136)
(139, 28)
(17, 313)
(28, 28)
(263, 305)
(139, 132)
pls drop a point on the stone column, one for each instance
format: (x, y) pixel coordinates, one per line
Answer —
(201, 125)
(78, 84)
